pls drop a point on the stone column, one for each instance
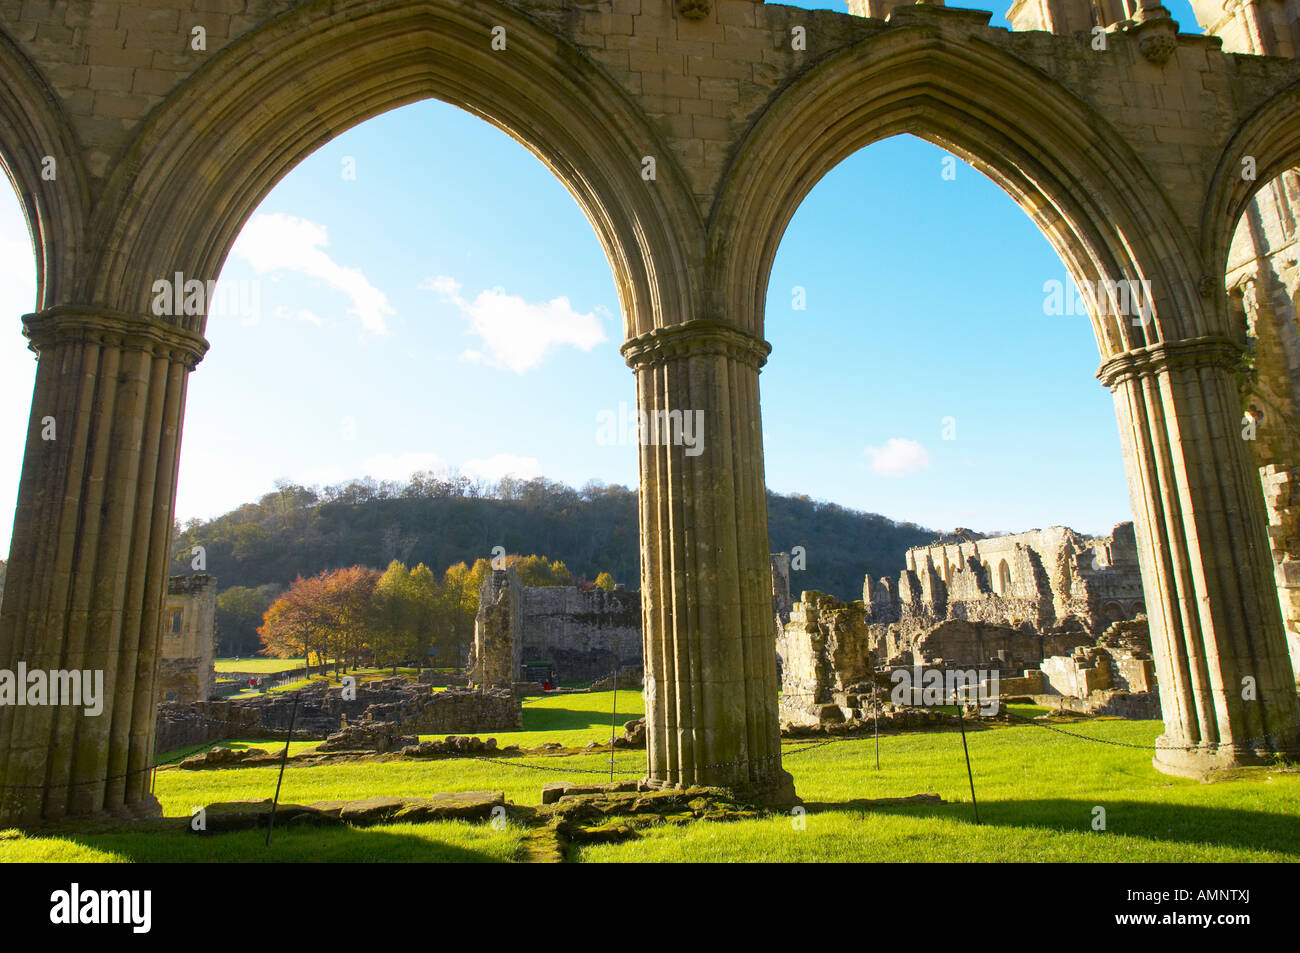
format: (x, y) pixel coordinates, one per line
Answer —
(706, 599)
(1226, 691)
(89, 557)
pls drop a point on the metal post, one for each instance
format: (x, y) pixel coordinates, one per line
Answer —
(971, 777)
(613, 720)
(284, 759)
(875, 716)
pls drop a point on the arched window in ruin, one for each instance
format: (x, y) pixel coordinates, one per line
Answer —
(1004, 578)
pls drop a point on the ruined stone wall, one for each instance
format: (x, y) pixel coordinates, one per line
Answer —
(962, 643)
(497, 654)
(1282, 498)
(323, 710)
(1049, 609)
(827, 650)
(453, 710)
(1051, 580)
(584, 634)
(188, 647)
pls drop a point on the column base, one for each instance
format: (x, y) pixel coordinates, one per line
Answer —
(1201, 761)
(776, 793)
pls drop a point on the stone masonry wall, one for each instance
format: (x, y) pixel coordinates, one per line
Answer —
(322, 711)
(188, 647)
(497, 654)
(827, 650)
(1282, 497)
(584, 634)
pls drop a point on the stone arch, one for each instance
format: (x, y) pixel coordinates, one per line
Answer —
(310, 74)
(93, 524)
(1271, 135)
(1069, 169)
(32, 126)
(1170, 372)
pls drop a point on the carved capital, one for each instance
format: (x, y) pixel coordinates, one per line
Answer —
(692, 339)
(1209, 351)
(64, 323)
(694, 9)
(1157, 36)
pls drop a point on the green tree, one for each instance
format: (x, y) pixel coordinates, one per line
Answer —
(349, 606)
(240, 611)
(460, 587)
(539, 572)
(425, 599)
(392, 635)
(605, 581)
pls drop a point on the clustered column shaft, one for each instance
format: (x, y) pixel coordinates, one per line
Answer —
(706, 577)
(1226, 689)
(88, 561)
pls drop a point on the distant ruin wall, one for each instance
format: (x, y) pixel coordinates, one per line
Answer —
(585, 634)
(1053, 581)
(496, 657)
(322, 711)
(579, 634)
(828, 650)
(188, 646)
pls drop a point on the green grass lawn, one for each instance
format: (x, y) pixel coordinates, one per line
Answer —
(258, 666)
(428, 843)
(574, 720)
(1037, 792)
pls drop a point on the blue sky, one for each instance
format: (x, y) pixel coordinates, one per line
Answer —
(450, 306)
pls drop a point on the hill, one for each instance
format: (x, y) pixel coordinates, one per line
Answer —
(441, 521)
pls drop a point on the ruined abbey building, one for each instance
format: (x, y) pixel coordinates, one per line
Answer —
(186, 671)
(556, 634)
(1138, 157)
(1053, 583)
(1059, 616)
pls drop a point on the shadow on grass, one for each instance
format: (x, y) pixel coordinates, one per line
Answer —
(1182, 823)
(290, 844)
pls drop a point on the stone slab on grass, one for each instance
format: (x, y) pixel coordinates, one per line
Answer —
(461, 805)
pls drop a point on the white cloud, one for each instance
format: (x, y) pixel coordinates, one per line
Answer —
(299, 314)
(518, 334)
(897, 457)
(279, 242)
(399, 467)
(503, 464)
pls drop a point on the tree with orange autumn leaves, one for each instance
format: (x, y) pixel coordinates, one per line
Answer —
(394, 616)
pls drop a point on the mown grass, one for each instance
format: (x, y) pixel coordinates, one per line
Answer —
(258, 666)
(449, 841)
(574, 720)
(1037, 792)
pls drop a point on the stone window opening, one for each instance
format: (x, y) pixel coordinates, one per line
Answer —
(1004, 578)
